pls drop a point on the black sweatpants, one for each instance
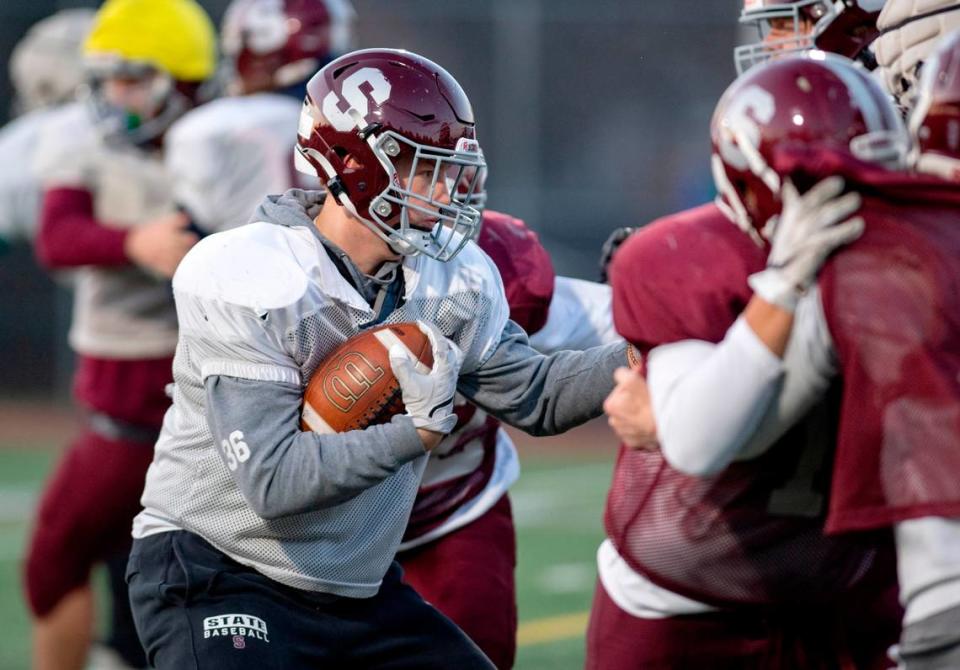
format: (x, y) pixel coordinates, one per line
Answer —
(196, 608)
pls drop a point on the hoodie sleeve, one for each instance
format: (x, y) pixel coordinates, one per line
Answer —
(281, 470)
(542, 395)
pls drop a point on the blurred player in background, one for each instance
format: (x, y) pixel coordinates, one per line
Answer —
(108, 212)
(459, 549)
(226, 155)
(884, 316)
(46, 70)
(298, 530)
(789, 27)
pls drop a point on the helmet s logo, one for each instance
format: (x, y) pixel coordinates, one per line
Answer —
(357, 90)
(751, 106)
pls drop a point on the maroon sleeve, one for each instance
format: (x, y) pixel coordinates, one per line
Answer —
(524, 265)
(69, 234)
(682, 277)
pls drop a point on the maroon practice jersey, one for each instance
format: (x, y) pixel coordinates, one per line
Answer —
(892, 305)
(753, 533)
(528, 278)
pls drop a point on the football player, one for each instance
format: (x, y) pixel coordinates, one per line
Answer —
(259, 539)
(884, 317)
(721, 558)
(46, 73)
(108, 213)
(226, 155)
(789, 27)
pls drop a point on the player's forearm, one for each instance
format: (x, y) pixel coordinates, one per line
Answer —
(69, 235)
(709, 399)
(770, 323)
(543, 395)
(282, 470)
(707, 415)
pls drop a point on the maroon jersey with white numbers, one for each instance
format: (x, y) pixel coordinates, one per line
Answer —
(460, 468)
(753, 533)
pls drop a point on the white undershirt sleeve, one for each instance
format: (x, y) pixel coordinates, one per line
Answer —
(927, 566)
(708, 399)
(718, 403)
(809, 365)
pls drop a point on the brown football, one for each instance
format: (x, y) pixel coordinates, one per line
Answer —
(355, 386)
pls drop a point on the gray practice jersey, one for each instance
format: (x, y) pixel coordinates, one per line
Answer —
(260, 307)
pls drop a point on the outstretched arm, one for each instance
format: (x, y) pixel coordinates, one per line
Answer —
(542, 395)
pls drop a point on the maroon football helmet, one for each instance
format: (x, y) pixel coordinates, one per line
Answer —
(815, 100)
(371, 113)
(849, 29)
(273, 44)
(935, 119)
(845, 27)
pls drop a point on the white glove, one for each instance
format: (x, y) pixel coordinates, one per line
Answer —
(810, 227)
(428, 395)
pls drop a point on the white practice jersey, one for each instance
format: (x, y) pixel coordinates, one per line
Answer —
(580, 317)
(265, 303)
(20, 184)
(227, 155)
(118, 312)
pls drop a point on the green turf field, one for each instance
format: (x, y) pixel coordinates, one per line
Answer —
(558, 504)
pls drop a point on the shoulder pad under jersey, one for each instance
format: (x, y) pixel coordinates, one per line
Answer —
(469, 272)
(260, 269)
(682, 277)
(226, 155)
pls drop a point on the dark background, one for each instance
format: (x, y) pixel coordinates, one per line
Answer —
(593, 115)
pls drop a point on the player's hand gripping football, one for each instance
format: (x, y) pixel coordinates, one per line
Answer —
(428, 394)
(810, 227)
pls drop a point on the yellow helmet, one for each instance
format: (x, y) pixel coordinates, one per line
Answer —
(174, 36)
